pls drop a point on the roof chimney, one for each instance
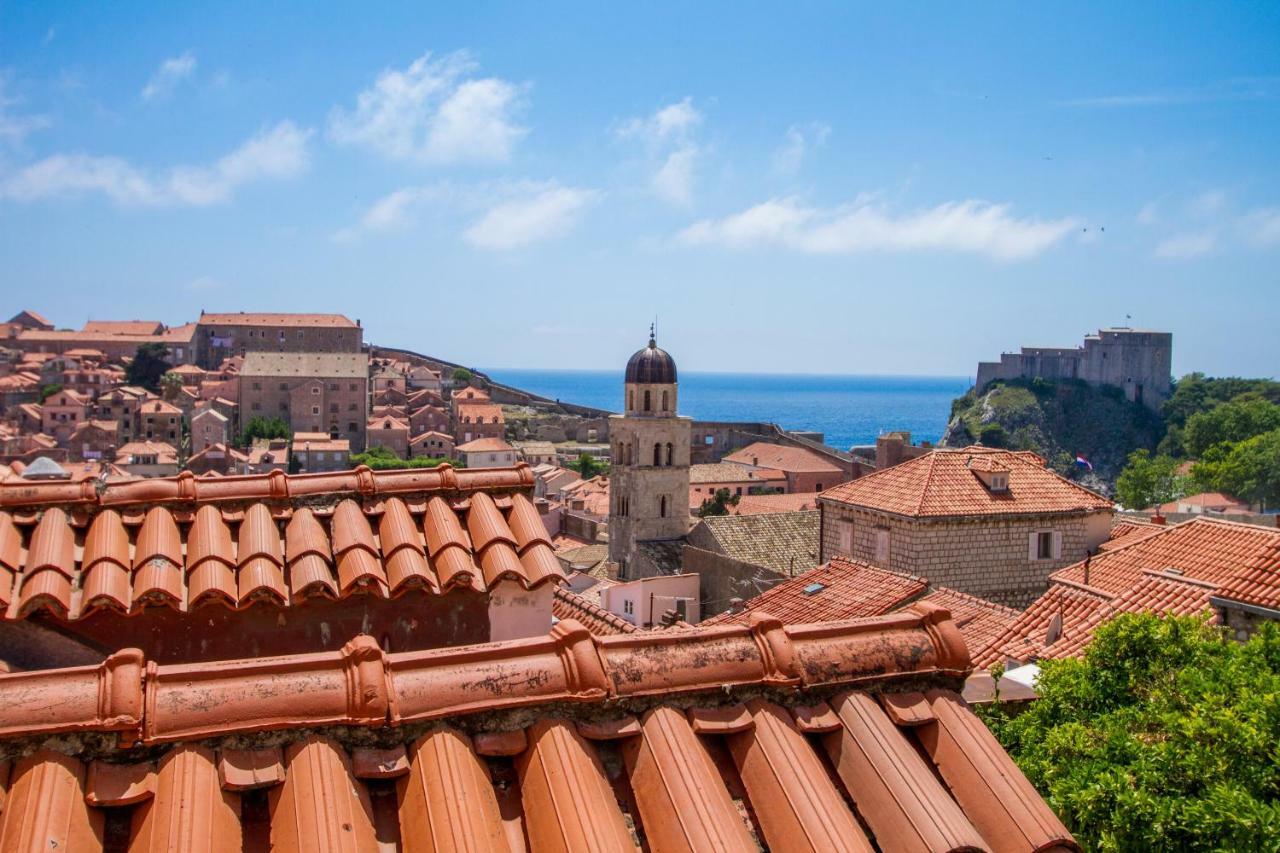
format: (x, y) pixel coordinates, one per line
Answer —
(1158, 519)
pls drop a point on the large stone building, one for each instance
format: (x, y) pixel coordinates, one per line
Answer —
(311, 392)
(650, 475)
(220, 336)
(992, 523)
(1137, 361)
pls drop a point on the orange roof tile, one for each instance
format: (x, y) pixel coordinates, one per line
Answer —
(702, 738)
(298, 536)
(1060, 613)
(570, 605)
(1258, 582)
(781, 457)
(842, 589)
(481, 445)
(757, 504)
(1207, 549)
(335, 321)
(979, 620)
(123, 327)
(942, 483)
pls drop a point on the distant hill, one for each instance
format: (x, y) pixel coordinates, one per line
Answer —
(1057, 419)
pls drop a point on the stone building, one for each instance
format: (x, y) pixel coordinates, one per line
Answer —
(311, 392)
(219, 336)
(992, 523)
(1138, 361)
(62, 413)
(316, 451)
(208, 427)
(649, 499)
(160, 420)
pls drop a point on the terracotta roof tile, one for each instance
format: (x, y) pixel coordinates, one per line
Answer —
(781, 457)
(942, 483)
(979, 620)
(841, 589)
(268, 319)
(757, 504)
(238, 531)
(1061, 612)
(549, 760)
(785, 542)
(1257, 583)
(569, 605)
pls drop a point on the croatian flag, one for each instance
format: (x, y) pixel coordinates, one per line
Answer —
(1082, 462)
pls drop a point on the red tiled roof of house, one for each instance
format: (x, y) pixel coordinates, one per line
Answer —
(481, 445)
(703, 738)
(388, 423)
(335, 321)
(159, 407)
(1060, 613)
(731, 472)
(781, 457)
(479, 413)
(1210, 501)
(601, 622)
(72, 549)
(1207, 549)
(979, 620)
(165, 453)
(757, 504)
(842, 589)
(942, 483)
(123, 327)
(1258, 582)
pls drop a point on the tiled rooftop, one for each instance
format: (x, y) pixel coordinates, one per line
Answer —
(831, 737)
(781, 457)
(1060, 613)
(335, 321)
(786, 542)
(308, 365)
(1258, 583)
(842, 589)
(942, 483)
(756, 504)
(730, 472)
(601, 622)
(184, 543)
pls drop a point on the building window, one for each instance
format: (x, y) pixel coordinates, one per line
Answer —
(315, 410)
(662, 507)
(657, 455)
(670, 450)
(646, 400)
(845, 527)
(351, 427)
(629, 607)
(1045, 545)
(351, 387)
(257, 386)
(315, 389)
(333, 386)
(284, 386)
(882, 546)
(664, 401)
(631, 400)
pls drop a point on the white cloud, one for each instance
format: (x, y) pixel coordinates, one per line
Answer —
(1149, 214)
(532, 217)
(670, 147)
(1262, 227)
(275, 154)
(503, 214)
(1242, 89)
(167, 77)
(1181, 247)
(864, 226)
(800, 140)
(432, 112)
(1207, 204)
(14, 129)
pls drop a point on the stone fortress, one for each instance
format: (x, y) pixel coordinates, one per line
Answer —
(1138, 361)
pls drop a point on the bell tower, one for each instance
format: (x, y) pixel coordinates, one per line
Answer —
(649, 482)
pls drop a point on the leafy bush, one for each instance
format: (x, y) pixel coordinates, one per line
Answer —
(1164, 736)
(384, 459)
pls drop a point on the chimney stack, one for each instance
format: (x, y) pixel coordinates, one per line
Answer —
(1158, 519)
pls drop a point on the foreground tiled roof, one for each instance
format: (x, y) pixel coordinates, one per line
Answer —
(785, 542)
(942, 483)
(183, 542)
(842, 589)
(730, 738)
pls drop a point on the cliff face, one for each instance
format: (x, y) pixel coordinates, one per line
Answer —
(1057, 419)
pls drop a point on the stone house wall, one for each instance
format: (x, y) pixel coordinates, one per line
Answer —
(723, 578)
(987, 556)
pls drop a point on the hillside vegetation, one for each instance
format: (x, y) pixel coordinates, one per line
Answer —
(1057, 420)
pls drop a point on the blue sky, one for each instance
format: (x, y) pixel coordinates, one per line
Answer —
(846, 188)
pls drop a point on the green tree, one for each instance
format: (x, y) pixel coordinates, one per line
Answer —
(1162, 737)
(148, 365)
(588, 466)
(381, 458)
(1248, 469)
(1229, 422)
(461, 375)
(260, 427)
(47, 391)
(718, 504)
(170, 385)
(1148, 481)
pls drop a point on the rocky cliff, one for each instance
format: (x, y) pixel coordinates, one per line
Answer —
(1057, 419)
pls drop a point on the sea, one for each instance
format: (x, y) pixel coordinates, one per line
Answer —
(847, 410)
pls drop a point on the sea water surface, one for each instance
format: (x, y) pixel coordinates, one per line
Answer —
(847, 410)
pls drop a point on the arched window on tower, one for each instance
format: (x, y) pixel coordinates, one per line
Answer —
(631, 400)
(657, 455)
(662, 506)
(669, 452)
(647, 407)
(665, 407)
